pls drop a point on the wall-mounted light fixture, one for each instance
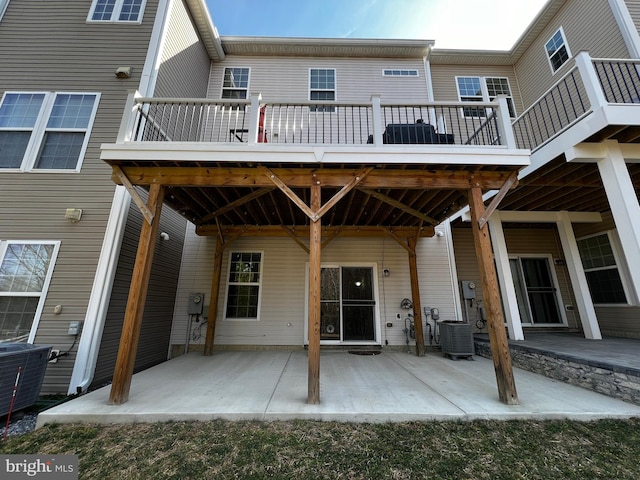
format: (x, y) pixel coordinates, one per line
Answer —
(73, 214)
(164, 236)
(386, 272)
(123, 72)
(439, 233)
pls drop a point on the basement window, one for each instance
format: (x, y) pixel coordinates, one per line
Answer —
(601, 268)
(244, 286)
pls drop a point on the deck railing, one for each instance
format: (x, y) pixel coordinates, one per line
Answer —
(589, 84)
(256, 121)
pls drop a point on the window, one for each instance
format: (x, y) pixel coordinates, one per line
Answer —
(322, 87)
(117, 11)
(483, 89)
(25, 271)
(400, 73)
(235, 83)
(49, 131)
(243, 290)
(3, 7)
(557, 50)
(601, 269)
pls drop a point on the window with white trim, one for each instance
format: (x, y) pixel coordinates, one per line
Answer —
(25, 271)
(601, 269)
(126, 11)
(483, 89)
(235, 84)
(243, 288)
(322, 87)
(400, 73)
(3, 7)
(557, 50)
(45, 131)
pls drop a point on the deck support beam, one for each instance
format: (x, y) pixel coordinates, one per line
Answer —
(415, 296)
(137, 297)
(495, 319)
(315, 249)
(213, 300)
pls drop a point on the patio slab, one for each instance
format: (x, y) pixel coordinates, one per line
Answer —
(390, 387)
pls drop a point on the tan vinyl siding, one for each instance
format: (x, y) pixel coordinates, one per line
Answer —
(287, 78)
(443, 78)
(283, 293)
(49, 46)
(158, 313)
(520, 241)
(184, 65)
(589, 25)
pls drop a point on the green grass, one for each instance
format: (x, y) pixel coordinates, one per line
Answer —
(607, 449)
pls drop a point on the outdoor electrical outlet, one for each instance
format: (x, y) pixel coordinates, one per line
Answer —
(54, 355)
(389, 324)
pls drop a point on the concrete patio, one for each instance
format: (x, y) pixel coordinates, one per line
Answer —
(390, 387)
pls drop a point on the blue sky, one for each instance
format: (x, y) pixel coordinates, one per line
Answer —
(472, 24)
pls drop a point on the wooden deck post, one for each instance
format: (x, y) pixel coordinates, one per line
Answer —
(137, 297)
(315, 248)
(495, 319)
(213, 299)
(415, 297)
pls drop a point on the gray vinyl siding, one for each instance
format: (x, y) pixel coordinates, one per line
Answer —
(49, 46)
(634, 10)
(156, 323)
(283, 296)
(617, 321)
(287, 78)
(443, 79)
(589, 25)
(185, 63)
(520, 241)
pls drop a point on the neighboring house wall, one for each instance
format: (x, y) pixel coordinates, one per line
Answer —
(158, 312)
(589, 25)
(520, 241)
(49, 46)
(185, 63)
(287, 78)
(619, 320)
(282, 314)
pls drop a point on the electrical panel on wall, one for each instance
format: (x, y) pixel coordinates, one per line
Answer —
(196, 302)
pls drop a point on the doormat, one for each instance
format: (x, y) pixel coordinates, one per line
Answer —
(364, 352)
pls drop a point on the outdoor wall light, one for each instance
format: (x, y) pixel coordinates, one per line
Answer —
(73, 214)
(439, 233)
(386, 272)
(123, 72)
(164, 236)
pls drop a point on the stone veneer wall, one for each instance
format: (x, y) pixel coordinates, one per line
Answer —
(618, 382)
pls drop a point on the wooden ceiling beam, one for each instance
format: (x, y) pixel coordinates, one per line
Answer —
(399, 205)
(305, 177)
(230, 206)
(303, 231)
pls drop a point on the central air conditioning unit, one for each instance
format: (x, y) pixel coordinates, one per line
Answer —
(456, 339)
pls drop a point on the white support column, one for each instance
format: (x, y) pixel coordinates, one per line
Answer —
(624, 206)
(254, 119)
(590, 81)
(509, 299)
(377, 119)
(578, 278)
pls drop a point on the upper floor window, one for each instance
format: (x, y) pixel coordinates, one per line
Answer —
(245, 277)
(25, 272)
(322, 87)
(3, 7)
(117, 11)
(45, 131)
(601, 269)
(557, 50)
(235, 83)
(400, 73)
(483, 89)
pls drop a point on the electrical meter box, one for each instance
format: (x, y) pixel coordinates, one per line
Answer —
(468, 290)
(196, 302)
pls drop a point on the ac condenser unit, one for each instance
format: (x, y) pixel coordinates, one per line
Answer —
(456, 339)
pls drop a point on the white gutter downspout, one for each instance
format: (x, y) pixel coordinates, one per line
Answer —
(91, 337)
